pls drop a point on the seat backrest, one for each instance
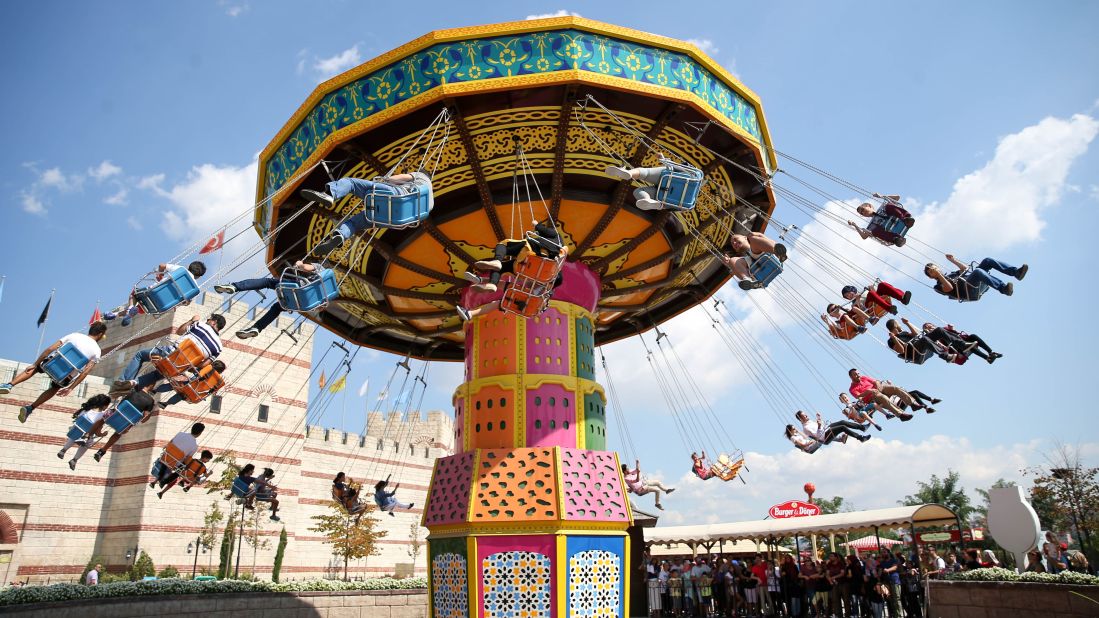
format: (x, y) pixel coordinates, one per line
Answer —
(193, 471)
(173, 456)
(679, 188)
(186, 356)
(64, 364)
(241, 488)
(765, 268)
(385, 209)
(198, 388)
(309, 294)
(174, 288)
(125, 415)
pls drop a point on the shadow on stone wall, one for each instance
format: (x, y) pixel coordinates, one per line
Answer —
(956, 599)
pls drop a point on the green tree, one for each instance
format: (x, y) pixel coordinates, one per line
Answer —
(211, 521)
(351, 537)
(1069, 493)
(228, 540)
(414, 543)
(168, 572)
(830, 506)
(228, 473)
(277, 569)
(946, 491)
(143, 567)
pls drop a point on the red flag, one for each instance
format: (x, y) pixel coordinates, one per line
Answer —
(96, 317)
(321, 382)
(215, 242)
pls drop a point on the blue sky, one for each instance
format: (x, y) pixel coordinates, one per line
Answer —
(131, 128)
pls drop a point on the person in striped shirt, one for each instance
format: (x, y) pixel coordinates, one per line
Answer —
(203, 334)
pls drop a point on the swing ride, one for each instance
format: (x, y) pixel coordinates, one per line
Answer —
(506, 156)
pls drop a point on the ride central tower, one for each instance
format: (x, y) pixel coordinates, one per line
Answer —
(528, 516)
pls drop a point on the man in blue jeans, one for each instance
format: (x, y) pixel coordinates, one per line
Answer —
(398, 184)
(962, 285)
(263, 283)
(204, 334)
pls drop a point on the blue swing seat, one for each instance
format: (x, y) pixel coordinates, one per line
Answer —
(64, 364)
(678, 188)
(387, 206)
(80, 428)
(241, 488)
(302, 292)
(125, 415)
(882, 222)
(765, 268)
(174, 288)
(973, 291)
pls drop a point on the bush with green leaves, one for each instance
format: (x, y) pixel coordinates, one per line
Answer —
(997, 574)
(76, 592)
(143, 567)
(168, 572)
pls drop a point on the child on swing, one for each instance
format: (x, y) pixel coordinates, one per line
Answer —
(386, 500)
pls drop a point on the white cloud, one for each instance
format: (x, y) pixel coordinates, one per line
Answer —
(1093, 192)
(134, 224)
(103, 171)
(1001, 204)
(302, 59)
(333, 65)
(54, 178)
(234, 9)
(706, 45)
(118, 198)
(32, 204)
(557, 13)
(841, 470)
(209, 198)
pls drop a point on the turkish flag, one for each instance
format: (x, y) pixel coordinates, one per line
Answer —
(215, 243)
(96, 317)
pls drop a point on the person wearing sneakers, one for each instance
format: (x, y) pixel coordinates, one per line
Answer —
(859, 412)
(203, 334)
(196, 466)
(191, 375)
(142, 401)
(650, 176)
(962, 343)
(386, 500)
(131, 308)
(825, 434)
(546, 243)
(879, 296)
(266, 491)
(397, 184)
(263, 283)
(891, 206)
(965, 284)
(914, 346)
(868, 390)
(92, 410)
(88, 345)
(753, 246)
(187, 444)
(639, 485)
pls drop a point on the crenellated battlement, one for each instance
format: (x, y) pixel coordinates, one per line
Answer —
(395, 431)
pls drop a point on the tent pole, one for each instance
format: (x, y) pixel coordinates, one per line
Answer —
(877, 535)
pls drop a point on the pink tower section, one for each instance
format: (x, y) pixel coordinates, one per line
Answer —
(448, 500)
(592, 489)
(551, 416)
(548, 343)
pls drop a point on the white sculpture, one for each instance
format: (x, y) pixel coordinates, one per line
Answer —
(1012, 522)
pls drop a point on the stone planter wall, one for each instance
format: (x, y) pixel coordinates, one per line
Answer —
(350, 604)
(954, 599)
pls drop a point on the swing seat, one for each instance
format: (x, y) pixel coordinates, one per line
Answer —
(302, 292)
(678, 189)
(241, 488)
(845, 332)
(185, 356)
(765, 269)
(194, 473)
(922, 357)
(726, 468)
(200, 387)
(530, 290)
(80, 428)
(974, 291)
(125, 415)
(387, 206)
(64, 364)
(882, 223)
(173, 457)
(175, 288)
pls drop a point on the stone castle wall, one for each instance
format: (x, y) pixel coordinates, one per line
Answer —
(62, 518)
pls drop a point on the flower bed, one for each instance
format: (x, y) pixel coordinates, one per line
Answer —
(72, 592)
(1007, 575)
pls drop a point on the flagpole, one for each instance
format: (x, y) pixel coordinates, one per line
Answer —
(42, 336)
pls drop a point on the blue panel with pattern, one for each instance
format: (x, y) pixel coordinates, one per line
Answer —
(496, 57)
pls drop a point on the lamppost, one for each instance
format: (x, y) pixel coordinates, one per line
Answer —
(131, 557)
(196, 545)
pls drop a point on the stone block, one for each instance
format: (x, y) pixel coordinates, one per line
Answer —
(391, 599)
(409, 611)
(343, 612)
(282, 612)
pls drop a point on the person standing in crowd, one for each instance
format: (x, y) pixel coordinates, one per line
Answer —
(92, 578)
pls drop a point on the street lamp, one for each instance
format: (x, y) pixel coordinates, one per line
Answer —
(195, 547)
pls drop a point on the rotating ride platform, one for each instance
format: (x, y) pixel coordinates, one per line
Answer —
(529, 517)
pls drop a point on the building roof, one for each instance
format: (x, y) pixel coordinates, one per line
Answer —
(920, 515)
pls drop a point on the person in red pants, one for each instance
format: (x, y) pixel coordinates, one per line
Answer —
(879, 295)
(891, 206)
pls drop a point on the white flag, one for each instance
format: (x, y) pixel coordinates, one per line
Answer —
(365, 387)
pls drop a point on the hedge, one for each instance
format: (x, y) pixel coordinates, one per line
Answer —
(998, 574)
(75, 592)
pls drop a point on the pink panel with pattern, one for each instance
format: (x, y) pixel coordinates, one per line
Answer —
(548, 343)
(448, 501)
(592, 486)
(551, 416)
